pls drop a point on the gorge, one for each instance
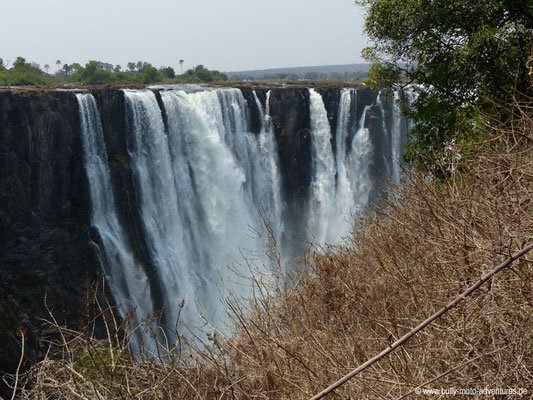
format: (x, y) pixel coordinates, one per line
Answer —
(167, 190)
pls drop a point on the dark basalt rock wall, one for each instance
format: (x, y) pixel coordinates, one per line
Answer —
(46, 244)
(254, 112)
(44, 215)
(289, 110)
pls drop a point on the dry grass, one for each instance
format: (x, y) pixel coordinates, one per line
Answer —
(427, 244)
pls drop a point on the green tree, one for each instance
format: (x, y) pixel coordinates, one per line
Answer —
(141, 65)
(23, 73)
(20, 62)
(168, 72)
(93, 73)
(66, 69)
(75, 67)
(460, 51)
(203, 73)
(151, 75)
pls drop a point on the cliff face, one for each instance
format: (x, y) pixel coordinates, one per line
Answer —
(46, 243)
(44, 215)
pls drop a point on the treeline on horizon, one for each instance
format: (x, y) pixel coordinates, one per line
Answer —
(23, 73)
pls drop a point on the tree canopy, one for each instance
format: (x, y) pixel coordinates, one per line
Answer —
(201, 74)
(22, 73)
(461, 52)
(98, 72)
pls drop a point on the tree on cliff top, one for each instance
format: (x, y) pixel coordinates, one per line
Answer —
(22, 73)
(462, 52)
(201, 74)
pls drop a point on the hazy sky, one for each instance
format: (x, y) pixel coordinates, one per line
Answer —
(227, 35)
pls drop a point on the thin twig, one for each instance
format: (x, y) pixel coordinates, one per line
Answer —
(18, 367)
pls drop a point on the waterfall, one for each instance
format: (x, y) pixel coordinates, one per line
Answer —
(359, 162)
(341, 184)
(386, 148)
(393, 132)
(396, 137)
(125, 276)
(270, 180)
(322, 194)
(345, 201)
(158, 200)
(205, 185)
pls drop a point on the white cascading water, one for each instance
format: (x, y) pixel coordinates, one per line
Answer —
(271, 204)
(125, 276)
(396, 137)
(341, 184)
(322, 191)
(344, 196)
(358, 164)
(386, 152)
(204, 183)
(166, 229)
(202, 187)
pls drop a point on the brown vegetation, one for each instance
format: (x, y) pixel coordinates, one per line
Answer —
(422, 248)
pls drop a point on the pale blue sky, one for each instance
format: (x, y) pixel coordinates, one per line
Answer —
(227, 35)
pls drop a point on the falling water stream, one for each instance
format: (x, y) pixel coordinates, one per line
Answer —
(206, 186)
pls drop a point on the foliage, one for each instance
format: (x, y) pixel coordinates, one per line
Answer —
(98, 72)
(151, 75)
(141, 72)
(102, 360)
(92, 73)
(460, 51)
(168, 72)
(200, 74)
(22, 73)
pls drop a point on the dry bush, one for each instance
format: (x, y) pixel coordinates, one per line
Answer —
(428, 243)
